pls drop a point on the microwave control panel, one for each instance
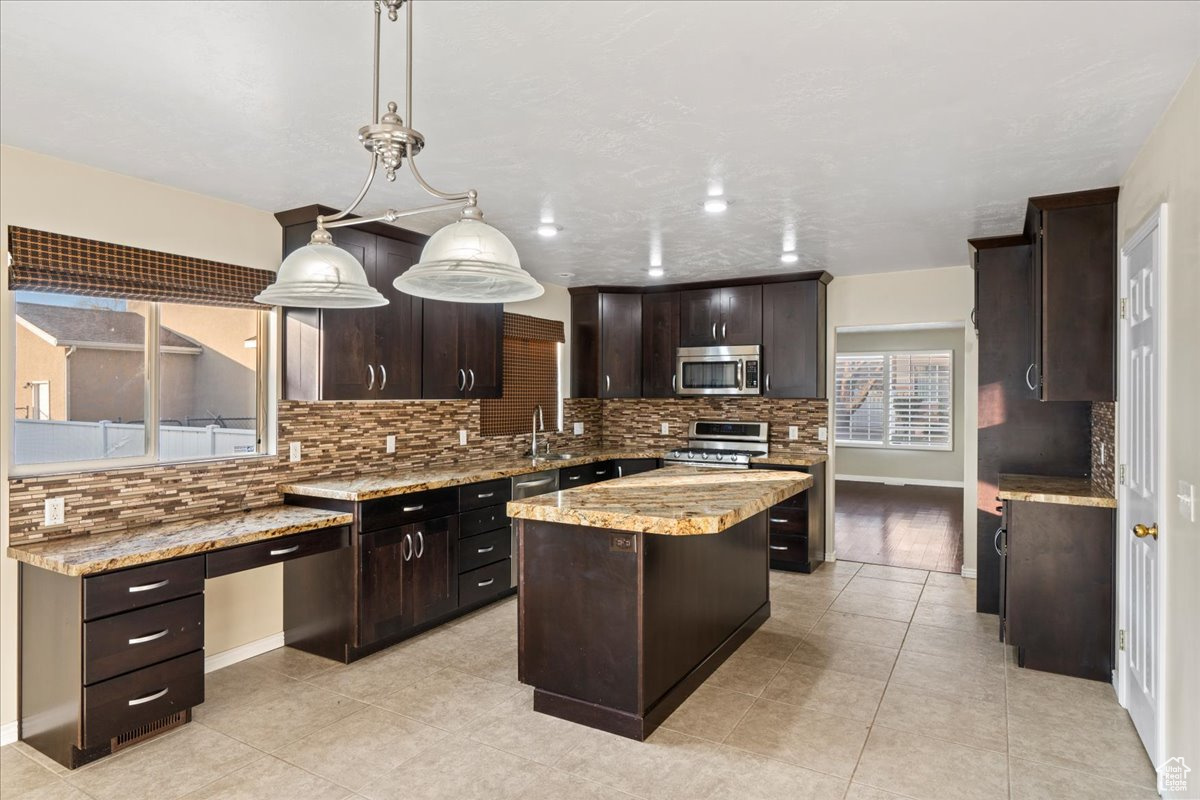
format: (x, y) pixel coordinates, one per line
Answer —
(751, 374)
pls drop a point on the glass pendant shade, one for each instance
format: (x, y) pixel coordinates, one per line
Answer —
(469, 261)
(321, 275)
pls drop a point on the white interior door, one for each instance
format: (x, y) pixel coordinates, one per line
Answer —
(1138, 434)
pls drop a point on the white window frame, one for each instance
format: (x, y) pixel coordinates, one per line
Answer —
(266, 395)
(886, 443)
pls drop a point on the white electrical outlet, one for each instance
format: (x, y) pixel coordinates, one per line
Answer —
(390, 443)
(1103, 454)
(577, 428)
(56, 511)
(462, 436)
(1187, 501)
(294, 451)
(822, 434)
(793, 431)
(665, 428)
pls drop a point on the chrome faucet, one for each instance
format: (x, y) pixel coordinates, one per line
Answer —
(538, 421)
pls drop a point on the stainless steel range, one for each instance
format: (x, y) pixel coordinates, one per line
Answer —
(724, 445)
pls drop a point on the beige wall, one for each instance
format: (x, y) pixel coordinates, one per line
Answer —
(916, 465)
(901, 298)
(38, 360)
(223, 377)
(1167, 170)
(37, 191)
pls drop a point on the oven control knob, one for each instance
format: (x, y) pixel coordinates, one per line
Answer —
(674, 454)
(720, 457)
(704, 456)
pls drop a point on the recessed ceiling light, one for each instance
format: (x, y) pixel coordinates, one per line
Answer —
(566, 274)
(548, 230)
(716, 205)
(790, 258)
(656, 272)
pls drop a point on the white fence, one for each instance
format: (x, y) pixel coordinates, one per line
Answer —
(47, 441)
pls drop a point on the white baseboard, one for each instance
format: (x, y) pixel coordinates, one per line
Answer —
(830, 556)
(899, 481)
(8, 733)
(968, 572)
(242, 652)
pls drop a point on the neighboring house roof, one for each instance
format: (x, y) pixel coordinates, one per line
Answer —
(100, 328)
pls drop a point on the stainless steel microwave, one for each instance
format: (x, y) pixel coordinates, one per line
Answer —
(719, 370)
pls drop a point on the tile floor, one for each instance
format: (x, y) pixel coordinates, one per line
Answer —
(867, 683)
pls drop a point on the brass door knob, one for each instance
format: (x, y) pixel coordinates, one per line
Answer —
(1141, 531)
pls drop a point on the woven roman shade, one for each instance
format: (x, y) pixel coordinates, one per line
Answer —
(55, 262)
(530, 376)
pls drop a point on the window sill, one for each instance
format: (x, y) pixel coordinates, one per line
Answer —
(20, 471)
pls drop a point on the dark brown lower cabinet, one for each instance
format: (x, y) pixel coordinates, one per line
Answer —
(1058, 587)
(381, 574)
(432, 569)
(797, 525)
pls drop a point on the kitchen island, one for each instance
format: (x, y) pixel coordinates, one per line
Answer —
(632, 592)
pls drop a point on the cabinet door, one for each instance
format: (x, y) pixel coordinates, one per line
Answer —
(660, 339)
(741, 315)
(443, 373)
(1032, 379)
(381, 574)
(397, 325)
(481, 339)
(432, 569)
(620, 345)
(348, 334)
(585, 345)
(793, 340)
(699, 317)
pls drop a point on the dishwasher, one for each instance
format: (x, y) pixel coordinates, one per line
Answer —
(529, 485)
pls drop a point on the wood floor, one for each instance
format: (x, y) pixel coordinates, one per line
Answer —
(900, 526)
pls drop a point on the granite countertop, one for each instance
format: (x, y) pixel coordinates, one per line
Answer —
(1055, 489)
(373, 486)
(88, 555)
(675, 501)
(385, 484)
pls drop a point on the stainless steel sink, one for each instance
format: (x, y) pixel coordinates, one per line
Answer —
(556, 457)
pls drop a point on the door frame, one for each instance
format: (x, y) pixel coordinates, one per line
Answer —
(1155, 223)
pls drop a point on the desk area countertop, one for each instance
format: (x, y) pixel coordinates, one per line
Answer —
(673, 501)
(88, 555)
(1054, 489)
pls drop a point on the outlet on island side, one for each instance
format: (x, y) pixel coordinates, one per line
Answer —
(55, 512)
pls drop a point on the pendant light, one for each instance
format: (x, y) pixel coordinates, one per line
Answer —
(467, 261)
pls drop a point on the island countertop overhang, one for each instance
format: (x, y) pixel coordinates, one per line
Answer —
(673, 501)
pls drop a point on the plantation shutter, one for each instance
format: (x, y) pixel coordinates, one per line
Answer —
(920, 387)
(859, 402)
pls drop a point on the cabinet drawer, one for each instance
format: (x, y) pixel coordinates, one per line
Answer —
(603, 470)
(402, 509)
(128, 589)
(125, 642)
(480, 584)
(570, 477)
(797, 500)
(632, 466)
(480, 495)
(483, 549)
(787, 520)
(481, 520)
(116, 706)
(275, 551)
(790, 548)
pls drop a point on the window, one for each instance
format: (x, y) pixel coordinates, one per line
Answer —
(92, 384)
(898, 400)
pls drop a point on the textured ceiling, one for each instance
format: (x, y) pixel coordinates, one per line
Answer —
(878, 136)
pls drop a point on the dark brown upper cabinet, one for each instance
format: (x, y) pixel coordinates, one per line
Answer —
(730, 315)
(606, 345)
(463, 353)
(660, 340)
(1074, 300)
(356, 354)
(793, 339)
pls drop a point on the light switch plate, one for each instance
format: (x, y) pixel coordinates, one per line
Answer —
(577, 428)
(55, 511)
(462, 436)
(822, 434)
(390, 443)
(665, 428)
(1187, 501)
(793, 431)
(294, 451)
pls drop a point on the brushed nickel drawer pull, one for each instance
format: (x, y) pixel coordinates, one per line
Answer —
(488, 582)
(283, 551)
(414, 508)
(485, 495)
(601, 472)
(777, 519)
(146, 587)
(149, 637)
(574, 477)
(778, 547)
(149, 698)
(486, 549)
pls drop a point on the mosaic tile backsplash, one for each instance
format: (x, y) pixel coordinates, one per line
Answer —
(344, 438)
(1104, 431)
